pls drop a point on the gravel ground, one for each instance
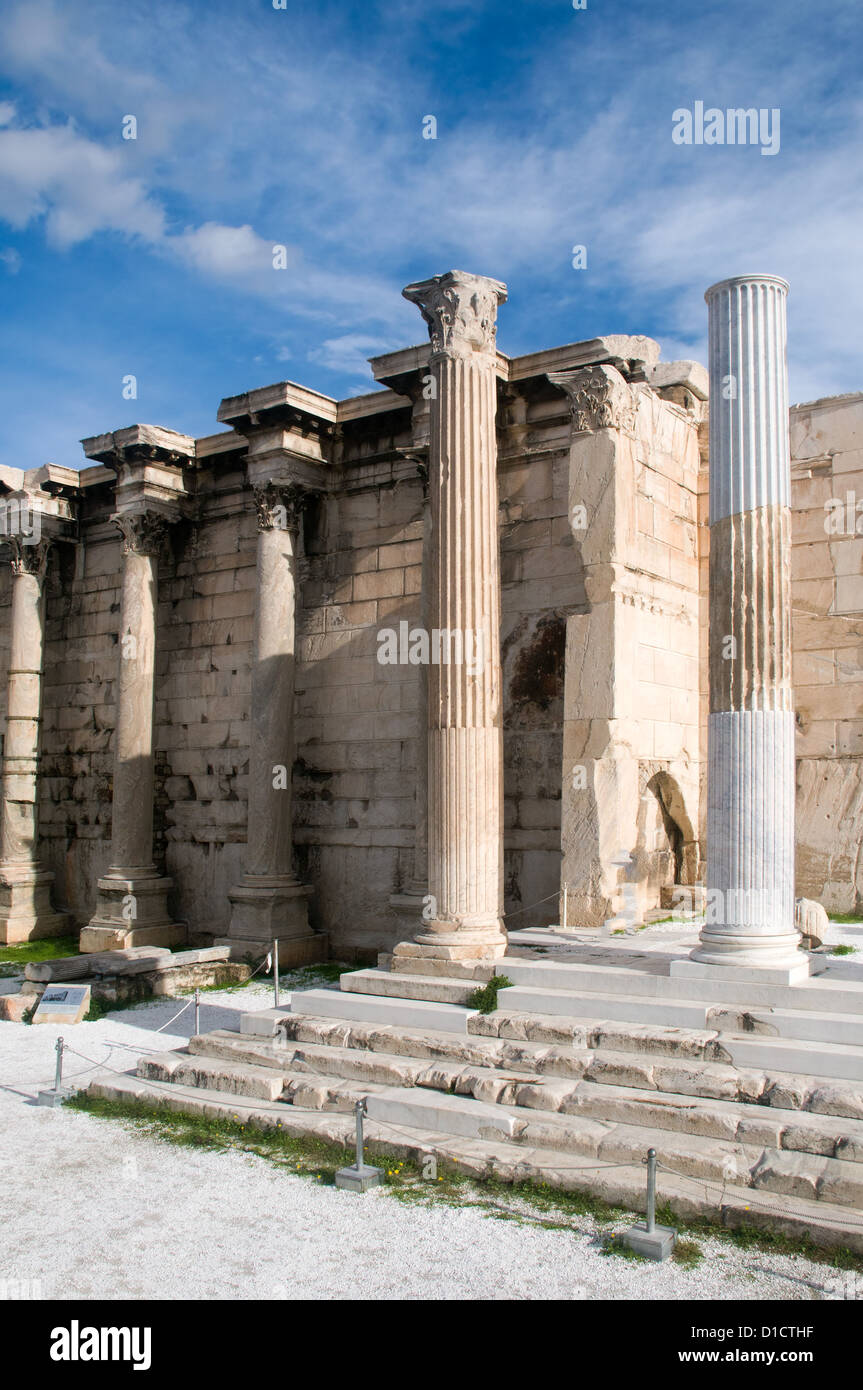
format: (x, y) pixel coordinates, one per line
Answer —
(144, 1219)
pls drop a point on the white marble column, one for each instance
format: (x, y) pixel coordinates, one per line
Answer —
(25, 887)
(465, 740)
(131, 907)
(751, 765)
(270, 902)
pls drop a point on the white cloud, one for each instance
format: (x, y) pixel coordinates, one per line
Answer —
(349, 353)
(77, 185)
(11, 259)
(230, 253)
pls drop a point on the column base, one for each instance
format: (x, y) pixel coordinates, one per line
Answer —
(26, 913)
(446, 941)
(753, 959)
(264, 907)
(131, 911)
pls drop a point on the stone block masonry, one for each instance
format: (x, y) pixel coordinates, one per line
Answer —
(257, 771)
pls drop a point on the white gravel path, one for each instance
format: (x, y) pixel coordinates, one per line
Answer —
(141, 1218)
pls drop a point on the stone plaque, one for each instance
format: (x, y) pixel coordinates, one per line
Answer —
(63, 1004)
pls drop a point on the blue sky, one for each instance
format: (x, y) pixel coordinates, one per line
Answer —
(303, 127)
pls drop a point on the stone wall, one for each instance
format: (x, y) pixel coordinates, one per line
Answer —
(603, 654)
(827, 588)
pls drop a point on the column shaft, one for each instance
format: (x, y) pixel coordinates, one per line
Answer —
(272, 725)
(25, 904)
(132, 811)
(18, 830)
(465, 740)
(269, 902)
(751, 765)
(132, 896)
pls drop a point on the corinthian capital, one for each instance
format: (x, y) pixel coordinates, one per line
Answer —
(279, 505)
(460, 310)
(143, 532)
(28, 558)
(600, 398)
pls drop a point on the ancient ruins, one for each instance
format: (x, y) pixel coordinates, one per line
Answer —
(466, 680)
(204, 740)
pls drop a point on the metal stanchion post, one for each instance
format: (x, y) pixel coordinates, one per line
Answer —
(60, 1092)
(362, 1175)
(276, 973)
(565, 913)
(645, 1237)
(197, 1012)
(651, 1191)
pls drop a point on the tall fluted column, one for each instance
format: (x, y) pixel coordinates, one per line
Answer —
(465, 743)
(751, 767)
(25, 887)
(270, 902)
(131, 908)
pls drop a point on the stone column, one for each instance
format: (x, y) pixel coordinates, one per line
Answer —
(25, 887)
(131, 906)
(270, 902)
(751, 766)
(465, 740)
(413, 900)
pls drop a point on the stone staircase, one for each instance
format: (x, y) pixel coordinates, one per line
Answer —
(753, 1097)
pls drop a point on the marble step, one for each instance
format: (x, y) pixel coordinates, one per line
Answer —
(827, 993)
(431, 988)
(827, 1225)
(809, 1056)
(694, 1155)
(612, 1099)
(672, 1059)
(803, 1025)
(380, 1008)
(575, 1001)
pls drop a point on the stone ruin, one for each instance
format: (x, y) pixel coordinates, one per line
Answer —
(205, 744)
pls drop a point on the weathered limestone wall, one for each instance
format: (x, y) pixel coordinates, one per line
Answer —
(827, 647)
(542, 580)
(206, 594)
(633, 737)
(603, 648)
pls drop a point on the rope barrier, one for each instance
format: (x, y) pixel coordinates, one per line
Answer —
(751, 1197)
(531, 906)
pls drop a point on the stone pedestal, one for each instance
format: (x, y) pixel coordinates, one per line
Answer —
(132, 897)
(751, 765)
(269, 901)
(465, 735)
(26, 912)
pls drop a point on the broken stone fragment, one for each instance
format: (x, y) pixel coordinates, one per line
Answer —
(812, 922)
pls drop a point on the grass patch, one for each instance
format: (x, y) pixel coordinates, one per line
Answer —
(687, 1253)
(843, 950)
(615, 1245)
(304, 977)
(100, 1009)
(31, 952)
(851, 919)
(484, 999)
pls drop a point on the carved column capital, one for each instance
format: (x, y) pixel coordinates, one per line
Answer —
(27, 558)
(279, 506)
(143, 532)
(460, 310)
(600, 398)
